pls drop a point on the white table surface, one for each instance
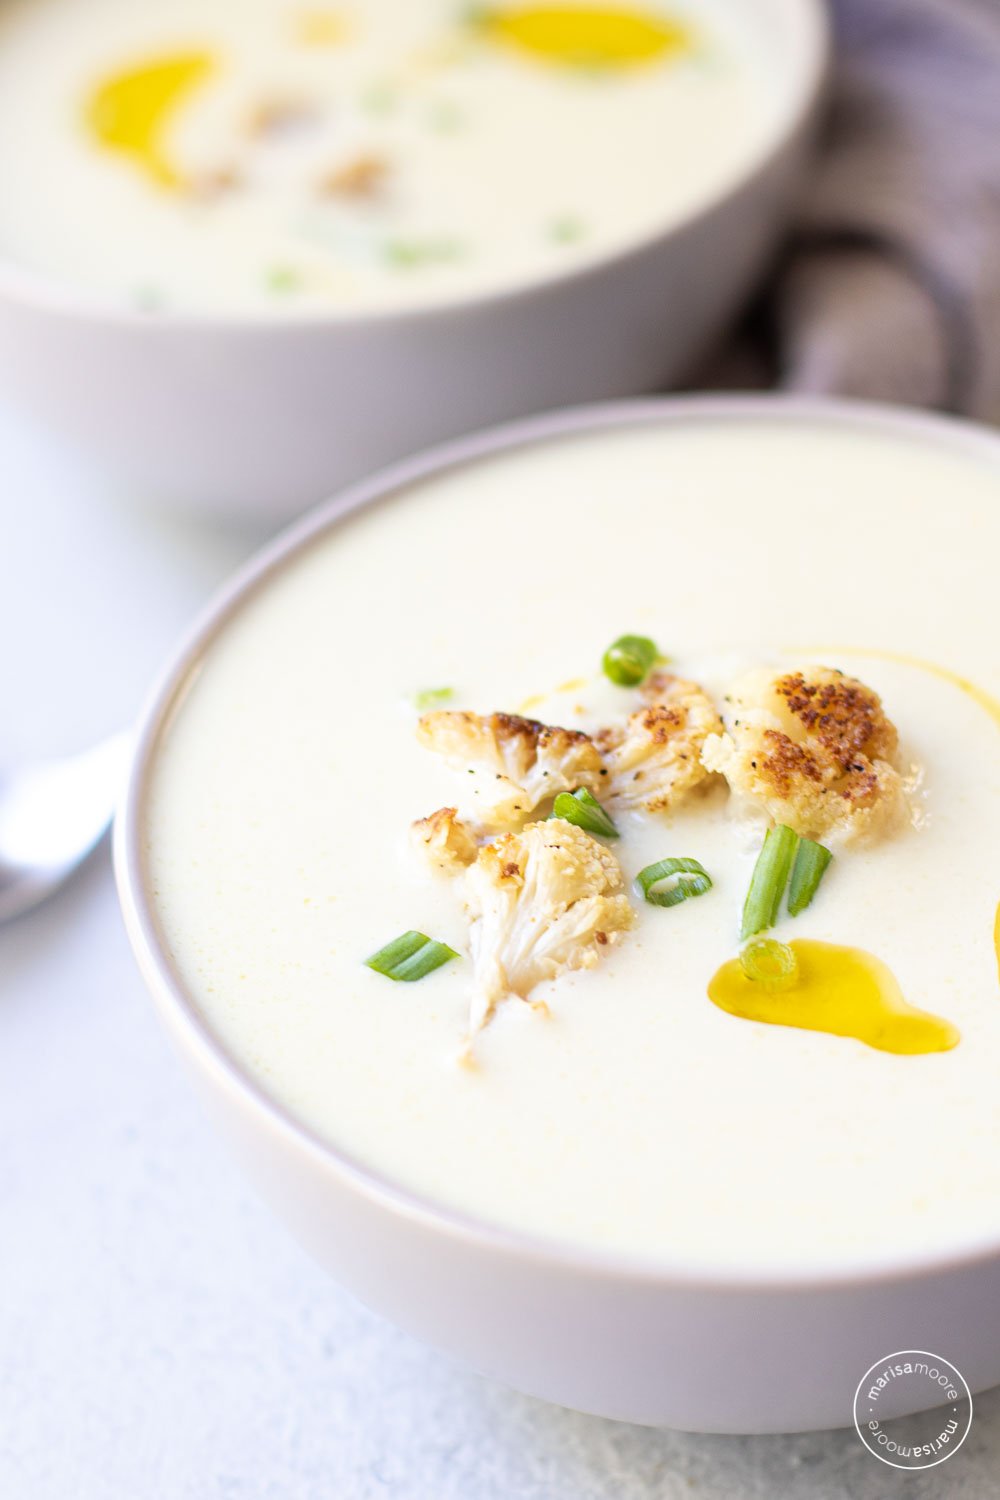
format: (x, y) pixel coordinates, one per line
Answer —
(161, 1337)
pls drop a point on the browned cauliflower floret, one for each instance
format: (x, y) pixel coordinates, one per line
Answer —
(542, 901)
(812, 749)
(517, 762)
(444, 840)
(654, 759)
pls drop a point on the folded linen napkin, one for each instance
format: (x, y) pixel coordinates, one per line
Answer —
(888, 286)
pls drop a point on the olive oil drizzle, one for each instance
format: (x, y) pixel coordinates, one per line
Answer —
(842, 991)
(131, 112)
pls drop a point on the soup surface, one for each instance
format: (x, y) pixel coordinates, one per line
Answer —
(636, 1114)
(276, 155)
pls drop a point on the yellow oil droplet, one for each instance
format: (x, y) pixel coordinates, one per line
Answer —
(322, 28)
(843, 991)
(530, 704)
(585, 36)
(978, 695)
(131, 111)
(537, 700)
(996, 939)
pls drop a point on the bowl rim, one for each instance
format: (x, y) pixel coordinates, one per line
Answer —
(178, 1008)
(806, 22)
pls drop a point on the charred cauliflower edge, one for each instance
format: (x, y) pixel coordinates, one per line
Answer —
(655, 759)
(810, 748)
(519, 763)
(651, 762)
(814, 750)
(542, 901)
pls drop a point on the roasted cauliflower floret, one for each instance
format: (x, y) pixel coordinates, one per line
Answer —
(517, 763)
(542, 901)
(444, 840)
(654, 759)
(812, 749)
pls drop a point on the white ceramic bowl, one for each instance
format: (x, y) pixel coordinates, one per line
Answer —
(266, 415)
(678, 1345)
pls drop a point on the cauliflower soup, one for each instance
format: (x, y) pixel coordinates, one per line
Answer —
(698, 924)
(274, 156)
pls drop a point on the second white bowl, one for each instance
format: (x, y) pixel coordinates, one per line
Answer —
(263, 416)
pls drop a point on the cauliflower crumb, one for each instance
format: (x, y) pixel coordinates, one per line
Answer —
(518, 763)
(542, 901)
(812, 749)
(361, 177)
(654, 760)
(444, 840)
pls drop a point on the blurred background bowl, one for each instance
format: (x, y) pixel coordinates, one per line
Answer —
(260, 416)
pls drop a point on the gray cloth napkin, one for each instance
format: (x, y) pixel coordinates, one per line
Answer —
(889, 284)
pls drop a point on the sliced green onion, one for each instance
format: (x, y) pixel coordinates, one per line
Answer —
(585, 811)
(566, 230)
(810, 861)
(767, 884)
(408, 254)
(446, 117)
(770, 964)
(410, 957)
(630, 660)
(431, 697)
(282, 279)
(380, 99)
(672, 895)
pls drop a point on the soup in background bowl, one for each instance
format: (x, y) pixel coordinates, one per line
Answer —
(689, 1059)
(260, 158)
(279, 243)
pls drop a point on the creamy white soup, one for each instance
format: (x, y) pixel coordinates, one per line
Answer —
(616, 1105)
(281, 155)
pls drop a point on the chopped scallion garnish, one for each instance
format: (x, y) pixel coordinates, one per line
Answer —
(283, 279)
(566, 230)
(380, 99)
(629, 660)
(431, 697)
(408, 254)
(446, 117)
(770, 964)
(672, 895)
(767, 884)
(585, 811)
(811, 860)
(409, 957)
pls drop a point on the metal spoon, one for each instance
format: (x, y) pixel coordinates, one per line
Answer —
(51, 816)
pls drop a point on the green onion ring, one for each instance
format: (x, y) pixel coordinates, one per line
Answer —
(682, 890)
(629, 660)
(770, 964)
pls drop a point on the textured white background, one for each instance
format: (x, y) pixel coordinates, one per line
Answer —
(160, 1336)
